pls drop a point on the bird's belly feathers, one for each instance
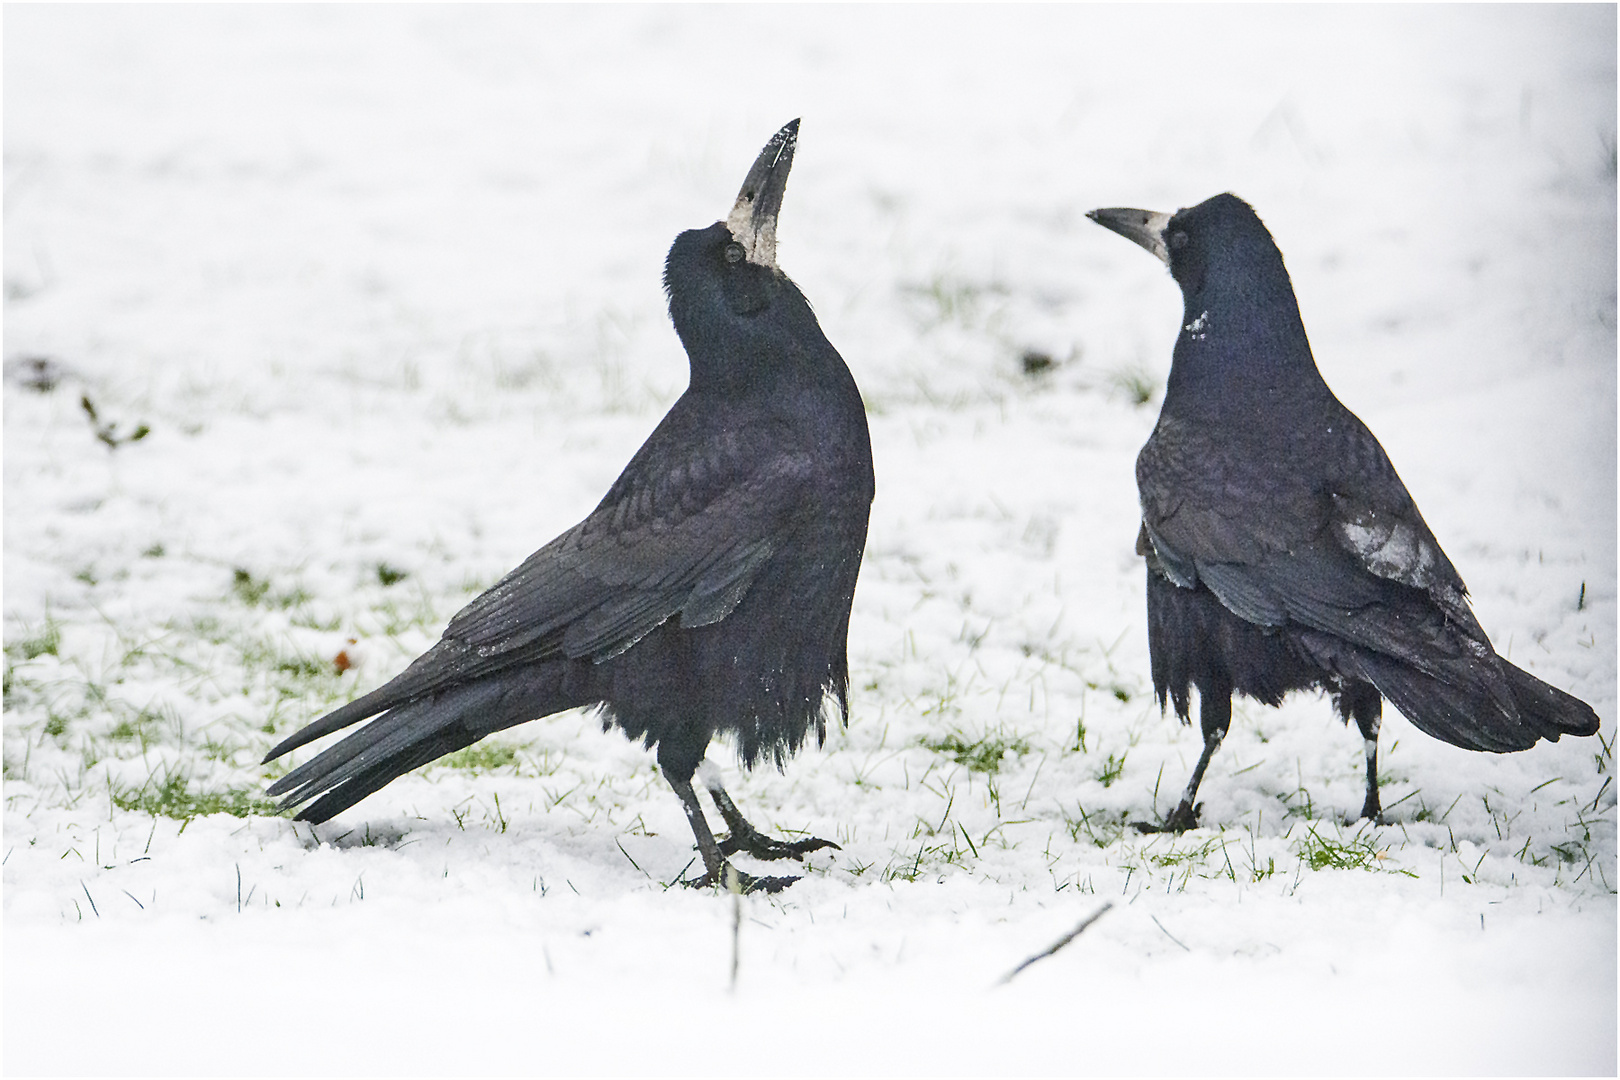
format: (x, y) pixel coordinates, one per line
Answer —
(763, 673)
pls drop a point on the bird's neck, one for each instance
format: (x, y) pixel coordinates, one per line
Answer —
(1234, 356)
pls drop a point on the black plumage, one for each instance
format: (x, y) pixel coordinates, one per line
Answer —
(1283, 552)
(707, 594)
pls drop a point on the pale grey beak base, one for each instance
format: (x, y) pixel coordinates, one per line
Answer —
(753, 219)
(1144, 227)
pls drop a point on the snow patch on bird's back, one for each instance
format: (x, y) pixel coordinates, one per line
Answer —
(1393, 551)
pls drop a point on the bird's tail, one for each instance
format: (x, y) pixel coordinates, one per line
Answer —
(412, 734)
(1511, 711)
(1551, 711)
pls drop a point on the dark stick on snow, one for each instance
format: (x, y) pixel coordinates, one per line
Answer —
(1085, 924)
(734, 886)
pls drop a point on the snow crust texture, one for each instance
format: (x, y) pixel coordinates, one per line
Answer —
(382, 285)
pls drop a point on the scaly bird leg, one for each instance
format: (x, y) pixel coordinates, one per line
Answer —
(1186, 813)
(1370, 808)
(1214, 716)
(743, 836)
(1368, 709)
(718, 870)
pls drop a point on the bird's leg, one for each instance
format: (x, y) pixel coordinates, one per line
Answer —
(1367, 708)
(1370, 808)
(743, 836)
(718, 870)
(1214, 716)
(1185, 815)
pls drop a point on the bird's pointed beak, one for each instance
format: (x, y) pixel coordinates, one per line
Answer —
(1145, 227)
(753, 219)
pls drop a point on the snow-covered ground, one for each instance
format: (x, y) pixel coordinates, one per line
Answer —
(383, 283)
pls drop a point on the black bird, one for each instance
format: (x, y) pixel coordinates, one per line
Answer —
(707, 594)
(1283, 552)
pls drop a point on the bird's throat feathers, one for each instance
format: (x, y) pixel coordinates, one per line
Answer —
(1224, 352)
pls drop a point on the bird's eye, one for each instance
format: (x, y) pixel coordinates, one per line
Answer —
(1178, 240)
(734, 253)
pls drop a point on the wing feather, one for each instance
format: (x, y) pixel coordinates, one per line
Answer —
(1327, 538)
(689, 538)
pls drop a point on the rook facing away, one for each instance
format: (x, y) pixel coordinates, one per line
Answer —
(707, 594)
(1283, 552)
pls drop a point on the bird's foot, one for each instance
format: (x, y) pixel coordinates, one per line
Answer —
(1372, 812)
(760, 846)
(1185, 817)
(744, 837)
(730, 879)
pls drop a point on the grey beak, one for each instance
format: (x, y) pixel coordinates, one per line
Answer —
(1145, 227)
(753, 219)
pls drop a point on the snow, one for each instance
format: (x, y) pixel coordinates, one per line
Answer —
(384, 282)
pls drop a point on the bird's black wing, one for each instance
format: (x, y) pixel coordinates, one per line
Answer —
(1329, 540)
(681, 534)
(1206, 502)
(685, 540)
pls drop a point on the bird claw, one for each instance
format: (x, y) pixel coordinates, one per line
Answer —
(736, 880)
(761, 846)
(1184, 818)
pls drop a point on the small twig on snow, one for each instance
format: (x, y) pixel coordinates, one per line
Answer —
(734, 886)
(1085, 924)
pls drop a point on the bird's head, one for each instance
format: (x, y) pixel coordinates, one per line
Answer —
(1219, 246)
(1240, 321)
(723, 278)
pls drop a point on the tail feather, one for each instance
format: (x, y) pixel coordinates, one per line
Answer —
(379, 740)
(1548, 708)
(357, 785)
(414, 733)
(355, 711)
(1472, 713)
(444, 665)
(1463, 714)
